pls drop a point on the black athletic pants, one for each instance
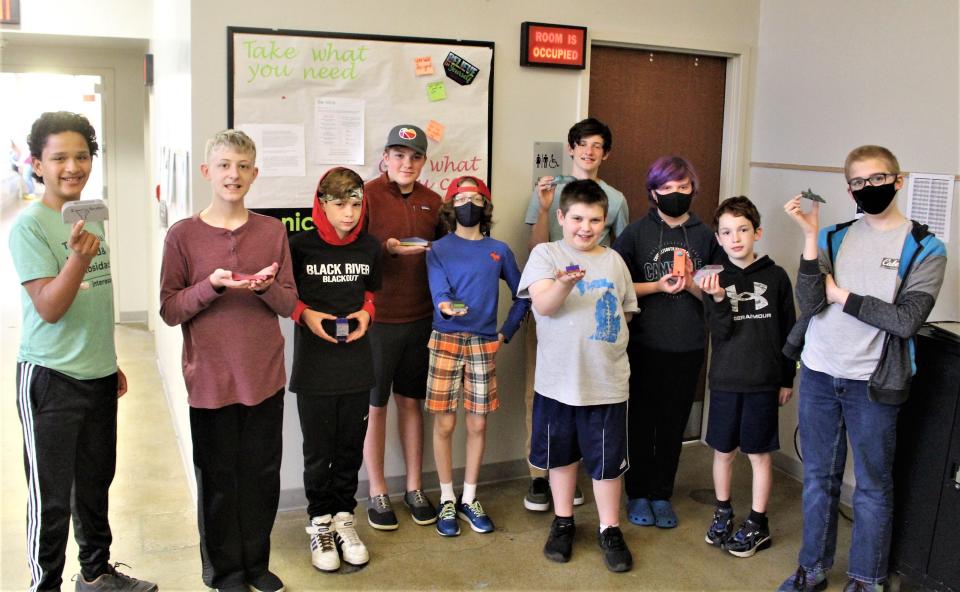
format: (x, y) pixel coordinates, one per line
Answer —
(333, 427)
(236, 456)
(662, 387)
(69, 454)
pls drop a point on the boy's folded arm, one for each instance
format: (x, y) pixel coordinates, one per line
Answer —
(811, 287)
(904, 317)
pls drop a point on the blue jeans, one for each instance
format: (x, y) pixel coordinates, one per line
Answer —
(830, 409)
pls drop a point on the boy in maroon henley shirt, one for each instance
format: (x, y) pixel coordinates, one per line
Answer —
(225, 278)
(400, 208)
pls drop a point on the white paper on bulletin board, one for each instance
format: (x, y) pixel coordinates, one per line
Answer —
(930, 200)
(325, 81)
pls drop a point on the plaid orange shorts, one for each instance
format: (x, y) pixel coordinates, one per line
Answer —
(461, 362)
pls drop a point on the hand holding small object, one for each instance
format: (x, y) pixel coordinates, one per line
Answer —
(313, 319)
(571, 275)
(809, 222)
(710, 284)
(394, 247)
(449, 309)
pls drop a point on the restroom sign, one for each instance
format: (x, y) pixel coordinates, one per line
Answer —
(553, 46)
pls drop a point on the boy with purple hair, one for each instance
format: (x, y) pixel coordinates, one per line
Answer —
(667, 338)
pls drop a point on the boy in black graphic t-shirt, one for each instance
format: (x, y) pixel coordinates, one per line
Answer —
(337, 269)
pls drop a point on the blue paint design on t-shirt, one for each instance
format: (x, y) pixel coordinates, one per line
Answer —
(605, 313)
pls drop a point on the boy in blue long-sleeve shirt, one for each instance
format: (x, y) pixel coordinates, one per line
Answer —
(464, 269)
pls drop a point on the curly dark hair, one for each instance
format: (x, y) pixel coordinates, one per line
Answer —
(56, 122)
(590, 127)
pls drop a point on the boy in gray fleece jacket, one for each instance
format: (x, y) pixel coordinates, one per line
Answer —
(864, 288)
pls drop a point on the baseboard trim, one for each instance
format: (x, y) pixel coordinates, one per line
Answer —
(293, 499)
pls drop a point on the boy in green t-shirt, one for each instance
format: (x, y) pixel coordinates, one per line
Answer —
(68, 381)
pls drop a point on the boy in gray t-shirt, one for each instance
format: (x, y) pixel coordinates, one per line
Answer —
(582, 299)
(864, 288)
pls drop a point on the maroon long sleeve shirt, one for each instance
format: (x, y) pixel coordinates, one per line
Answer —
(232, 345)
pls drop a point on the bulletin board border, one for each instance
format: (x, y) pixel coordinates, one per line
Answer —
(231, 65)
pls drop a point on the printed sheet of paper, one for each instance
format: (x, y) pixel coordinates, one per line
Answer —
(930, 201)
(339, 130)
(280, 148)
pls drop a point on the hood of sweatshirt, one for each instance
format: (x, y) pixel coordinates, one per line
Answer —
(324, 228)
(758, 266)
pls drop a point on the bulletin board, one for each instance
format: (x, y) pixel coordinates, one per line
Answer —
(316, 100)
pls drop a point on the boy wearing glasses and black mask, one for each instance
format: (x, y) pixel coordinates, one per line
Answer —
(464, 268)
(864, 288)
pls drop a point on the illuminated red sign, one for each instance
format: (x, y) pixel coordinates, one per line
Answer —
(556, 46)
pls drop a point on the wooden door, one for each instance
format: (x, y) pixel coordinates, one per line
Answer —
(658, 103)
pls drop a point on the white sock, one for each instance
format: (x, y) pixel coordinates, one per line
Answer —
(469, 492)
(603, 526)
(446, 493)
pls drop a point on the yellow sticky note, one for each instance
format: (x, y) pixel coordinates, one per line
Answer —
(423, 65)
(436, 91)
(434, 130)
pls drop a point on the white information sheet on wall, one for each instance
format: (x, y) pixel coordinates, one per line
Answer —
(280, 148)
(930, 201)
(339, 131)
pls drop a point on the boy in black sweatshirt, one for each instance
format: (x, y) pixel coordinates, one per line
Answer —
(749, 311)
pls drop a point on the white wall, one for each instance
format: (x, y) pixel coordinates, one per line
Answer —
(530, 104)
(832, 76)
(93, 18)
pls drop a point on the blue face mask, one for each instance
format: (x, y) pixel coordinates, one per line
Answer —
(469, 214)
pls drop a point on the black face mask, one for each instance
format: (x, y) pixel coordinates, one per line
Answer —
(469, 214)
(874, 200)
(674, 204)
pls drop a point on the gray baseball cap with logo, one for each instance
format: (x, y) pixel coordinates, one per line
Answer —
(407, 135)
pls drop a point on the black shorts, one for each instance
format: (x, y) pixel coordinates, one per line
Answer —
(745, 420)
(563, 434)
(400, 359)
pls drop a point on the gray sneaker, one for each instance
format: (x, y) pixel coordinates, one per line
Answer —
(114, 581)
(380, 513)
(421, 510)
(538, 495)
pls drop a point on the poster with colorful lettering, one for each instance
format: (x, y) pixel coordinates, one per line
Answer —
(276, 78)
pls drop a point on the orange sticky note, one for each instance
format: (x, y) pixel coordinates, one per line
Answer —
(423, 65)
(435, 130)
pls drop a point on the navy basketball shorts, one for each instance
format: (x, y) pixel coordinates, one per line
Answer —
(564, 434)
(748, 421)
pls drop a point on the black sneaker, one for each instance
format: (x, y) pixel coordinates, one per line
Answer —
(266, 582)
(114, 581)
(560, 541)
(538, 496)
(721, 528)
(380, 513)
(616, 555)
(749, 538)
(421, 510)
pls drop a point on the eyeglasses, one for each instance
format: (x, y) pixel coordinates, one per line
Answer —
(858, 183)
(462, 198)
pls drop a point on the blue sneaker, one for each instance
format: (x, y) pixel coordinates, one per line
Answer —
(639, 512)
(804, 581)
(474, 514)
(447, 524)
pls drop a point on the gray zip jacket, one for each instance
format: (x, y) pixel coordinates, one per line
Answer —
(919, 276)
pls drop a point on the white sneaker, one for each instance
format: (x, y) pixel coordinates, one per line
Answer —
(323, 549)
(351, 547)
